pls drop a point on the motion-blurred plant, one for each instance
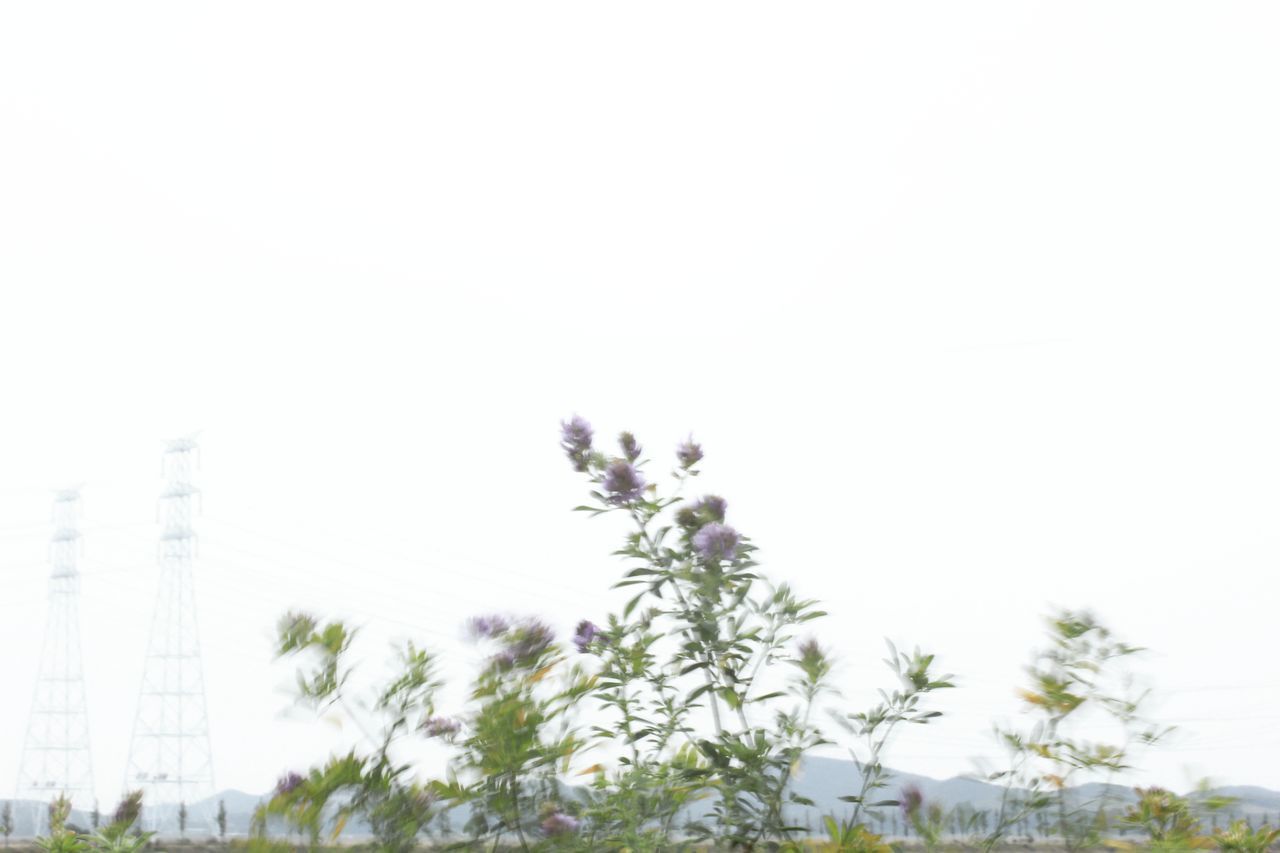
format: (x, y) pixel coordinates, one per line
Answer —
(847, 837)
(518, 739)
(1078, 672)
(61, 838)
(374, 784)
(1166, 819)
(1239, 837)
(929, 820)
(116, 836)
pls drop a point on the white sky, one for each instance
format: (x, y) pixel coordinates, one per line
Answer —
(973, 307)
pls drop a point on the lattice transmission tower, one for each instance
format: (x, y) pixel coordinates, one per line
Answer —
(169, 756)
(55, 756)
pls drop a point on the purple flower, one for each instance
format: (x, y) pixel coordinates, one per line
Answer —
(129, 810)
(575, 438)
(713, 507)
(584, 634)
(623, 482)
(440, 727)
(288, 783)
(689, 453)
(716, 541)
(910, 800)
(706, 508)
(525, 642)
(559, 823)
(630, 447)
(487, 627)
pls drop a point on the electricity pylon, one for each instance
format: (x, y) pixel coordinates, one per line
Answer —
(169, 757)
(55, 756)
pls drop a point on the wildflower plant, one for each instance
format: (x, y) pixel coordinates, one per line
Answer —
(121, 835)
(519, 737)
(1079, 671)
(373, 783)
(61, 837)
(704, 698)
(685, 668)
(873, 729)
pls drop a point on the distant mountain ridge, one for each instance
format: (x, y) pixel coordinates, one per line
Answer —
(823, 780)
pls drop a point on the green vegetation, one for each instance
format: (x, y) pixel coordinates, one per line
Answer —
(679, 722)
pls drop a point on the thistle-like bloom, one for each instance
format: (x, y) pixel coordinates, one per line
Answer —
(812, 660)
(128, 810)
(623, 482)
(630, 447)
(698, 513)
(289, 783)
(910, 800)
(487, 627)
(584, 634)
(443, 727)
(689, 453)
(716, 541)
(525, 642)
(559, 823)
(575, 438)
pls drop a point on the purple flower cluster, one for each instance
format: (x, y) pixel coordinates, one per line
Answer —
(630, 447)
(584, 634)
(623, 482)
(911, 800)
(689, 453)
(443, 727)
(289, 783)
(559, 823)
(698, 513)
(525, 642)
(129, 809)
(810, 650)
(488, 627)
(716, 541)
(575, 438)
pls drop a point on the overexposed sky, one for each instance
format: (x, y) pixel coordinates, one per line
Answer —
(973, 307)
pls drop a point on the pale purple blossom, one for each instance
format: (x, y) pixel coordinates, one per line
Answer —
(488, 627)
(575, 438)
(526, 641)
(623, 482)
(288, 783)
(698, 513)
(689, 453)
(630, 447)
(440, 727)
(584, 634)
(911, 800)
(559, 823)
(716, 541)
